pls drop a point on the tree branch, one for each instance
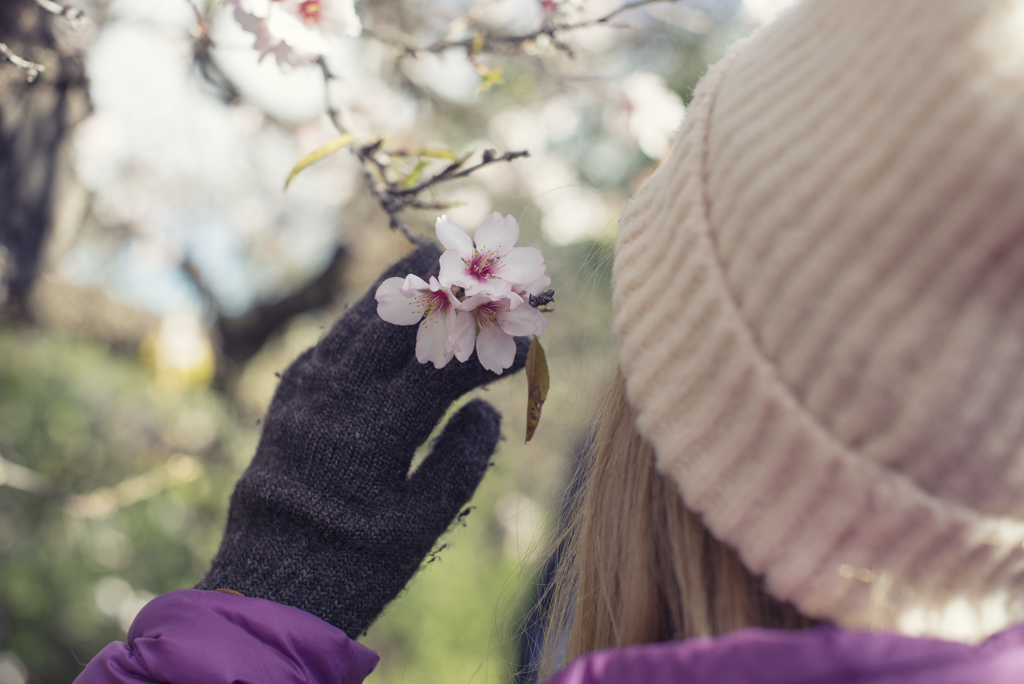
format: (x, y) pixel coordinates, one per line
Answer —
(245, 335)
(240, 338)
(27, 480)
(391, 195)
(452, 172)
(486, 42)
(72, 14)
(32, 70)
(202, 58)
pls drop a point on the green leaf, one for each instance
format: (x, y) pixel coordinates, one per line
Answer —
(478, 45)
(318, 154)
(415, 174)
(436, 153)
(489, 77)
(537, 383)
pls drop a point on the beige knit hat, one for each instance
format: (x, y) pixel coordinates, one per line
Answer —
(820, 307)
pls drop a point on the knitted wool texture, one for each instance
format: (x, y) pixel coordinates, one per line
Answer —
(818, 304)
(327, 517)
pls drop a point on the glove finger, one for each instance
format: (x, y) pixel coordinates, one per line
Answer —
(381, 351)
(446, 480)
(444, 386)
(362, 317)
(435, 389)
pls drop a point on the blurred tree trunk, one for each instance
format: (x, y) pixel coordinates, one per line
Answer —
(33, 123)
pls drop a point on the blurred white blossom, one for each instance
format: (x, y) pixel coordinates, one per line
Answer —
(370, 107)
(449, 74)
(561, 118)
(508, 16)
(652, 112)
(296, 31)
(184, 174)
(764, 11)
(520, 129)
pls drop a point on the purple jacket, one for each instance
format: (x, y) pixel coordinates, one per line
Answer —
(205, 637)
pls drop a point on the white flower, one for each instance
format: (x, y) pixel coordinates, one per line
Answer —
(491, 280)
(296, 31)
(490, 325)
(492, 266)
(410, 300)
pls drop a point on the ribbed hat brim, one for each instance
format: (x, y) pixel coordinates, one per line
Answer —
(842, 537)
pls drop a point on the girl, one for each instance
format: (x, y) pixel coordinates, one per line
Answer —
(811, 466)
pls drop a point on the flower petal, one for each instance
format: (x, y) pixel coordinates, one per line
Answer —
(495, 349)
(394, 307)
(293, 31)
(520, 321)
(470, 303)
(412, 284)
(542, 323)
(433, 340)
(537, 286)
(493, 288)
(453, 237)
(522, 266)
(454, 270)
(464, 335)
(496, 235)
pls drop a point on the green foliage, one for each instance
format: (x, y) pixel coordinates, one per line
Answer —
(450, 625)
(87, 420)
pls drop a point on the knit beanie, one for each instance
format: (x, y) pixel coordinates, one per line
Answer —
(819, 303)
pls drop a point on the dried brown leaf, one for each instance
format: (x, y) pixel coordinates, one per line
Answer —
(537, 382)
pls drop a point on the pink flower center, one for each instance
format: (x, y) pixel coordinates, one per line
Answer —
(435, 302)
(483, 266)
(310, 11)
(487, 314)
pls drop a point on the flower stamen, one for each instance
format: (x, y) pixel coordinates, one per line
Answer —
(310, 11)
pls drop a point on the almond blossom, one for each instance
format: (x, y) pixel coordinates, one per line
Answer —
(488, 263)
(410, 300)
(476, 301)
(490, 325)
(296, 31)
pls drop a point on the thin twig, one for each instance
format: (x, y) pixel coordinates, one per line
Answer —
(72, 14)
(202, 58)
(201, 24)
(191, 271)
(390, 207)
(452, 173)
(484, 42)
(332, 112)
(393, 198)
(32, 70)
(393, 42)
(366, 155)
(27, 480)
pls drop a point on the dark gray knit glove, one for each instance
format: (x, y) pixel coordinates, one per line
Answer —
(327, 518)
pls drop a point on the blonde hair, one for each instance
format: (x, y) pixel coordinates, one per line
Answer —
(635, 565)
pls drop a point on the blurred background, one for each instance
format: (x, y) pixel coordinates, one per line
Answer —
(156, 277)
